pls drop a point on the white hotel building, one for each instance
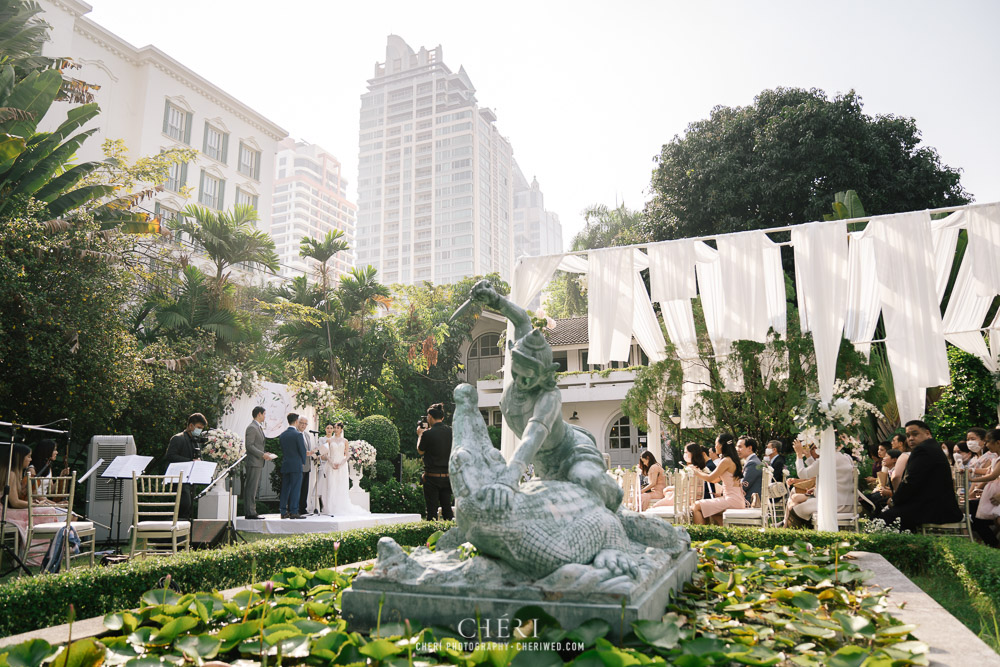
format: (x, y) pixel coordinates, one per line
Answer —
(435, 178)
(153, 103)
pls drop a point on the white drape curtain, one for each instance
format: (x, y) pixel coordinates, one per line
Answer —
(863, 303)
(821, 263)
(914, 343)
(713, 302)
(741, 261)
(610, 304)
(984, 248)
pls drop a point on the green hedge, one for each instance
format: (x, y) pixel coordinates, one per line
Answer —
(38, 602)
(381, 434)
(393, 497)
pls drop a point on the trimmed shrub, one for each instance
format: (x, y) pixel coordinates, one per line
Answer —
(381, 434)
(352, 425)
(496, 436)
(395, 498)
(384, 471)
(43, 601)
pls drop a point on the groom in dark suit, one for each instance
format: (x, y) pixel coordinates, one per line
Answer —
(293, 457)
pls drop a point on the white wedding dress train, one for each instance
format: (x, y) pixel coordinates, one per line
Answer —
(335, 496)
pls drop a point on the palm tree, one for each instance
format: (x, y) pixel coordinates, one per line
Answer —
(606, 227)
(322, 252)
(229, 238)
(194, 308)
(361, 293)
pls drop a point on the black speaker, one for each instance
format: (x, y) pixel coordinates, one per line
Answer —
(207, 533)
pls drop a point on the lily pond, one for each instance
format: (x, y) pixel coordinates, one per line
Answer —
(795, 605)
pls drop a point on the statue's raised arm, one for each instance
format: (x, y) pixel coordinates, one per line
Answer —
(483, 292)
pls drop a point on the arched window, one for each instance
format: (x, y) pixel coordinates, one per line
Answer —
(485, 357)
(625, 442)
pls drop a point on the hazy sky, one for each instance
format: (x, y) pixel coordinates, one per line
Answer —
(588, 91)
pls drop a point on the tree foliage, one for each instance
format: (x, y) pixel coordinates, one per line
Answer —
(781, 160)
(970, 400)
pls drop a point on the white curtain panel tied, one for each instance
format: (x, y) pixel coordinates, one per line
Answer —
(774, 286)
(966, 313)
(915, 342)
(863, 301)
(821, 251)
(713, 303)
(984, 248)
(671, 271)
(741, 259)
(610, 304)
(944, 240)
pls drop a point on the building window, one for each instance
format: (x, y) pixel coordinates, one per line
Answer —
(211, 191)
(625, 442)
(165, 214)
(561, 358)
(249, 161)
(485, 357)
(177, 123)
(244, 197)
(176, 176)
(216, 144)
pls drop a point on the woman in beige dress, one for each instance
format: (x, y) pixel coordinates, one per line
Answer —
(653, 491)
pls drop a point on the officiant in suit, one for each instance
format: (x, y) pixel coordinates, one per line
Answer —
(256, 455)
(293, 457)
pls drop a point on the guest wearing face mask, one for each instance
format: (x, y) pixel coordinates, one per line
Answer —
(775, 458)
(184, 447)
(963, 457)
(982, 458)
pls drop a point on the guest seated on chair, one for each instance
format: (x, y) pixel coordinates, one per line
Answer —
(728, 472)
(879, 497)
(964, 458)
(986, 510)
(694, 454)
(802, 505)
(774, 456)
(653, 491)
(926, 493)
(746, 447)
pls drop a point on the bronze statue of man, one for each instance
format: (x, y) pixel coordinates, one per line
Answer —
(532, 408)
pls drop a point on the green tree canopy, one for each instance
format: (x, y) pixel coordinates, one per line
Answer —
(781, 160)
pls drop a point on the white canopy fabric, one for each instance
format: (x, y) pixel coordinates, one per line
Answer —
(821, 264)
(898, 267)
(914, 343)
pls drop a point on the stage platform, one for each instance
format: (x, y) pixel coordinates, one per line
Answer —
(273, 524)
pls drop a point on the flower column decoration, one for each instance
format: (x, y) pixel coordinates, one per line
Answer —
(223, 447)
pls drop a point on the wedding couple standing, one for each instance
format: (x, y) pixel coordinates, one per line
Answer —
(327, 462)
(329, 494)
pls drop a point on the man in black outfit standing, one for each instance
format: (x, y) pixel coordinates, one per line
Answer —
(434, 443)
(926, 494)
(182, 448)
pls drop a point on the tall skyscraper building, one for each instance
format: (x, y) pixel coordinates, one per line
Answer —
(435, 177)
(310, 199)
(536, 230)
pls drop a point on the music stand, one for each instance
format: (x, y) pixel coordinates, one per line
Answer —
(120, 469)
(230, 528)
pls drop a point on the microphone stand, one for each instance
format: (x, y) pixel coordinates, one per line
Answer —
(230, 529)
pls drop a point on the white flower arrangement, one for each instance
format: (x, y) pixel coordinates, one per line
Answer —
(362, 454)
(315, 393)
(223, 447)
(235, 383)
(845, 411)
(878, 525)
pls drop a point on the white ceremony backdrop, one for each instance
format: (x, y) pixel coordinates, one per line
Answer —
(278, 402)
(897, 267)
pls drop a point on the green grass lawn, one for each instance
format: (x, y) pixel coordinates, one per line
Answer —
(952, 596)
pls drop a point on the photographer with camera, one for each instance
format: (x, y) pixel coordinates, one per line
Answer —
(434, 444)
(184, 447)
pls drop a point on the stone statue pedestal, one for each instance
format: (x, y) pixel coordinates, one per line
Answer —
(442, 589)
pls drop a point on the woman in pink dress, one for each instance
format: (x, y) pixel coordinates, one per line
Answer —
(17, 502)
(988, 510)
(729, 472)
(657, 480)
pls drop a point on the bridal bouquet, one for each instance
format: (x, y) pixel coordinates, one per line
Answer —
(844, 412)
(362, 454)
(223, 447)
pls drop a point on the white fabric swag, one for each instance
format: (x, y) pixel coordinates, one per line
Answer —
(821, 265)
(610, 304)
(863, 302)
(984, 248)
(915, 342)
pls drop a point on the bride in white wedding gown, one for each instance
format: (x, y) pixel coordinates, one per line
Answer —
(334, 495)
